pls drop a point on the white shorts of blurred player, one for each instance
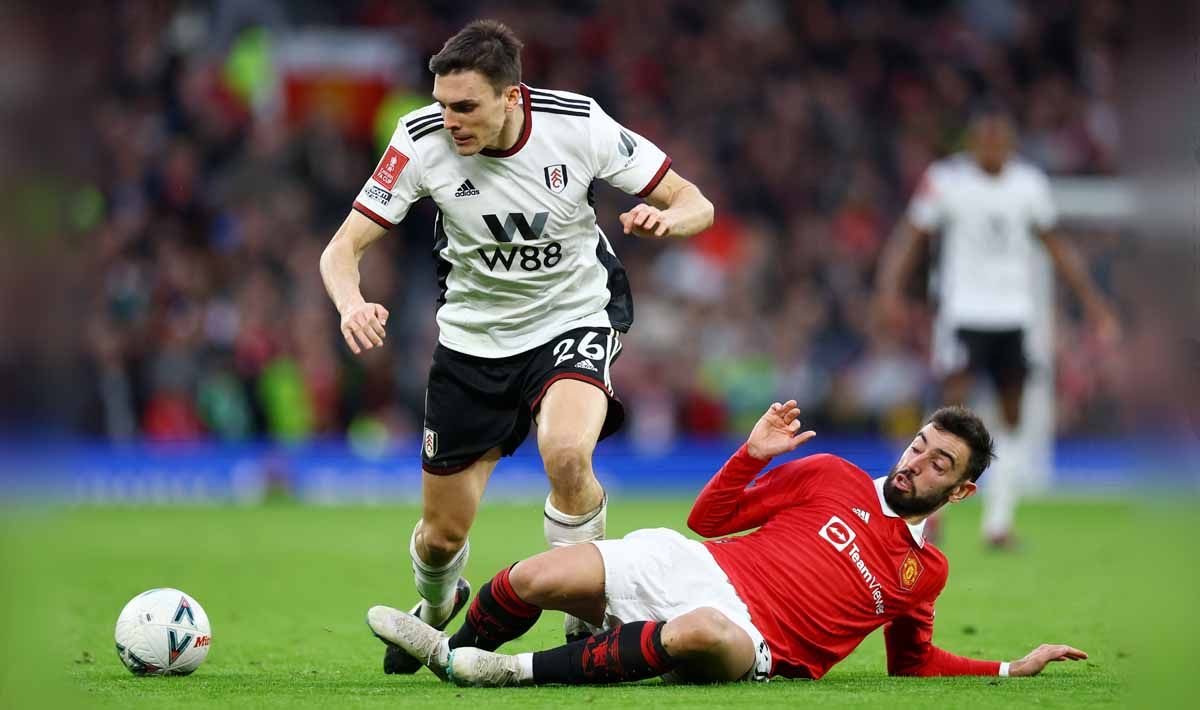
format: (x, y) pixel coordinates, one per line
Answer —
(657, 574)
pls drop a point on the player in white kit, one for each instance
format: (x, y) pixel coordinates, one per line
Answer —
(991, 211)
(533, 299)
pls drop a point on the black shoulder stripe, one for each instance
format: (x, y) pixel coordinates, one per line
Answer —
(542, 103)
(431, 129)
(421, 119)
(417, 126)
(546, 96)
(564, 112)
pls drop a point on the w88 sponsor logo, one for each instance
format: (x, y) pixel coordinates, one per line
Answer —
(528, 257)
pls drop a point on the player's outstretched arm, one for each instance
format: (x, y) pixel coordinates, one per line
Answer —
(910, 652)
(362, 322)
(1042, 656)
(675, 208)
(1069, 264)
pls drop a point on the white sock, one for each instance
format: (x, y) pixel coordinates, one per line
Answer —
(526, 662)
(1003, 484)
(436, 585)
(562, 529)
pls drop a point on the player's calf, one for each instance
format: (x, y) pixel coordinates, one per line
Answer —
(497, 615)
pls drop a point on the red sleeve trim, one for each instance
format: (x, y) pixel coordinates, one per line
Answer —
(366, 212)
(658, 176)
(566, 376)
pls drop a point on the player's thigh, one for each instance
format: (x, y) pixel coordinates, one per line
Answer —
(711, 647)
(570, 418)
(568, 386)
(569, 579)
(449, 502)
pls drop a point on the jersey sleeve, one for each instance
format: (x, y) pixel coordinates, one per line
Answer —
(1042, 210)
(910, 649)
(396, 183)
(734, 501)
(624, 159)
(926, 210)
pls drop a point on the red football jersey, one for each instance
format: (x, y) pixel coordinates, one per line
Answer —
(829, 563)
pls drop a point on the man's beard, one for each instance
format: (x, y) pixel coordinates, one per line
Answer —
(908, 503)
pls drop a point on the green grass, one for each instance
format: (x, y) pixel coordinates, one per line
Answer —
(287, 587)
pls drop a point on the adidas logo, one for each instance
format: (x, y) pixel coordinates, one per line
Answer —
(866, 517)
(466, 190)
(586, 365)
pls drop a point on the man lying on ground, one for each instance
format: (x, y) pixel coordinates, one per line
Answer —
(835, 556)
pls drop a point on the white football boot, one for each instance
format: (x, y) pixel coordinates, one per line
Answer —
(424, 643)
(482, 669)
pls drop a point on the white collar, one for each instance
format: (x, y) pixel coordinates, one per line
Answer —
(917, 531)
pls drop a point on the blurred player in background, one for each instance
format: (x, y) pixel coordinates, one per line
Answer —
(533, 299)
(991, 210)
(835, 556)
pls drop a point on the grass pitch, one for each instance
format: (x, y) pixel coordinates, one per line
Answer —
(287, 587)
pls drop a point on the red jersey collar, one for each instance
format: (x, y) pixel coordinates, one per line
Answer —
(917, 531)
(525, 130)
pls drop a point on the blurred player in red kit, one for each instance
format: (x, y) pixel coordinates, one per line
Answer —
(834, 556)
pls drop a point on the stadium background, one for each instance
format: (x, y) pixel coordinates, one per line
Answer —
(172, 170)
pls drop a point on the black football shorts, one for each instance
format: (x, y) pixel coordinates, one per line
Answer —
(999, 354)
(473, 403)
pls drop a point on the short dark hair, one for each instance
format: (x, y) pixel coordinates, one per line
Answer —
(966, 425)
(486, 46)
(990, 107)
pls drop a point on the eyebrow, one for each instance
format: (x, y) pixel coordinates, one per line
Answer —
(938, 450)
(457, 104)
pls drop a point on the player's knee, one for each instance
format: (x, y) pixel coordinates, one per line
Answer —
(700, 631)
(533, 581)
(444, 541)
(568, 463)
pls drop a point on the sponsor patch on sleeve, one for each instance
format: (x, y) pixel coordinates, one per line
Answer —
(390, 167)
(379, 194)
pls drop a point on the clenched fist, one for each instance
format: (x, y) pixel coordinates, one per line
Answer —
(646, 221)
(362, 326)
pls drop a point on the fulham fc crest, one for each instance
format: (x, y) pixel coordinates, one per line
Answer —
(430, 443)
(556, 177)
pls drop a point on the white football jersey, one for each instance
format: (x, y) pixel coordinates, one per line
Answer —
(989, 228)
(520, 258)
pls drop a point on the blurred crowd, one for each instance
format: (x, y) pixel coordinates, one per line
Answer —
(807, 123)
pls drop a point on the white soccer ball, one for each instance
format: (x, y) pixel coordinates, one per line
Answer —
(163, 632)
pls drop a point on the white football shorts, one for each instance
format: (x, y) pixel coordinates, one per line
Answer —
(657, 574)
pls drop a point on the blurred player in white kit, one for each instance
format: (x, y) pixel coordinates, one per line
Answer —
(991, 211)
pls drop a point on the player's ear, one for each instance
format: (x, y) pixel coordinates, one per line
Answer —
(962, 491)
(512, 98)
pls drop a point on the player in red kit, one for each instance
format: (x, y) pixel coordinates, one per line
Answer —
(835, 556)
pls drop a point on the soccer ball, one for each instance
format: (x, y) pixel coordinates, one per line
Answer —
(163, 632)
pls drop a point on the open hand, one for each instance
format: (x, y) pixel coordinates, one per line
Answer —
(362, 326)
(777, 432)
(1043, 655)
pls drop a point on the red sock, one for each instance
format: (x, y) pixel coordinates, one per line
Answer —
(626, 652)
(497, 615)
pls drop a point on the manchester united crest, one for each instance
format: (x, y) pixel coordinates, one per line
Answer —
(556, 177)
(910, 571)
